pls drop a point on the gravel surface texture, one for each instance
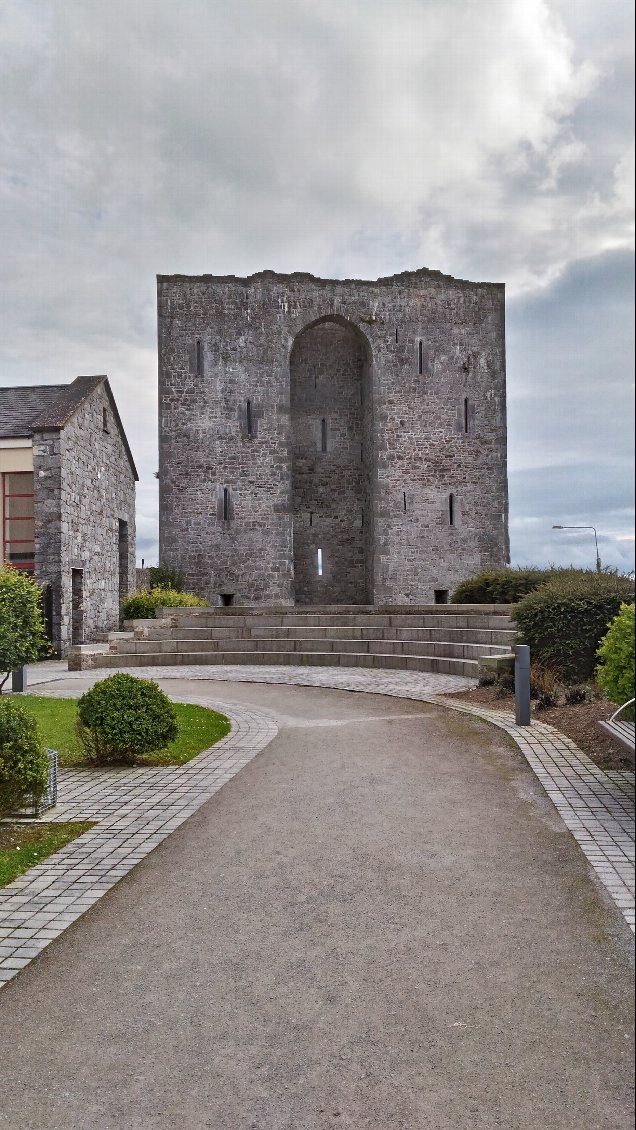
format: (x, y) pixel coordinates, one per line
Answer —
(379, 922)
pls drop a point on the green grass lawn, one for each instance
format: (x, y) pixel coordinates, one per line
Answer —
(24, 845)
(199, 729)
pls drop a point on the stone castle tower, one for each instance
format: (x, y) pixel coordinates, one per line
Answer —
(331, 442)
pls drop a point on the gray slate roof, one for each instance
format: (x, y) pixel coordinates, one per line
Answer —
(36, 408)
(19, 407)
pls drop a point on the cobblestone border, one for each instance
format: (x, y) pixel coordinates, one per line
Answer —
(138, 808)
(597, 807)
(134, 810)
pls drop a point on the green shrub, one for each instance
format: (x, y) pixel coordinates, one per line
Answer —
(499, 586)
(141, 605)
(508, 586)
(563, 620)
(22, 634)
(616, 671)
(164, 577)
(24, 763)
(122, 717)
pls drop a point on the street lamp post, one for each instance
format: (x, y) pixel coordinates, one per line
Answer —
(598, 560)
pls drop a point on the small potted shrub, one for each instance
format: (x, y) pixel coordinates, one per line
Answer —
(22, 634)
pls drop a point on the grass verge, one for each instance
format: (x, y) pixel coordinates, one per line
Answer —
(23, 845)
(199, 728)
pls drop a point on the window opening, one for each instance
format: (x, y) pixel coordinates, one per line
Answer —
(441, 596)
(104, 419)
(451, 509)
(319, 562)
(396, 335)
(227, 598)
(77, 606)
(226, 504)
(311, 517)
(199, 357)
(248, 417)
(420, 357)
(323, 435)
(465, 413)
(362, 519)
(404, 499)
(18, 528)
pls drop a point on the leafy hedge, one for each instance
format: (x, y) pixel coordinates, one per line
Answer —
(508, 586)
(141, 605)
(24, 763)
(616, 671)
(564, 620)
(121, 717)
(499, 586)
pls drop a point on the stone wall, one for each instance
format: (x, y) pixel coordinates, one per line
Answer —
(84, 507)
(142, 579)
(236, 478)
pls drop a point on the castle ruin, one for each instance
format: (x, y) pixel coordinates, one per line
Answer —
(331, 442)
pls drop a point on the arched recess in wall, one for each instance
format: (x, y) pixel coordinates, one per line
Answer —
(332, 462)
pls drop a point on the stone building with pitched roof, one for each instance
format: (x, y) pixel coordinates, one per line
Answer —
(67, 485)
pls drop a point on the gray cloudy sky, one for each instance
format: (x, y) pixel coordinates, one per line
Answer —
(489, 139)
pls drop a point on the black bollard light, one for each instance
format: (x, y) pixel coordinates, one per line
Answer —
(522, 684)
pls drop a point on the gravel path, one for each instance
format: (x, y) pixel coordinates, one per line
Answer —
(379, 922)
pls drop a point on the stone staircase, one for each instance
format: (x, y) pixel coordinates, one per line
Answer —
(447, 639)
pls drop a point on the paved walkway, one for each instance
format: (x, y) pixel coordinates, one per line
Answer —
(136, 809)
(380, 922)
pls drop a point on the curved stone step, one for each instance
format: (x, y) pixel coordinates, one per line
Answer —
(486, 636)
(203, 618)
(445, 666)
(443, 649)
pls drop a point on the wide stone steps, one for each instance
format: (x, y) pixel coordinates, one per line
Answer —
(440, 665)
(359, 646)
(193, 618)
(447, 639)
(500, 638)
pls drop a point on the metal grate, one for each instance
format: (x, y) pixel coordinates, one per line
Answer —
(35, 808)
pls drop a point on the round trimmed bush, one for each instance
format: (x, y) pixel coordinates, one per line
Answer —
(121, 718)
(24, 762)
(616, 671)
(564, 620)
(141, 605)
